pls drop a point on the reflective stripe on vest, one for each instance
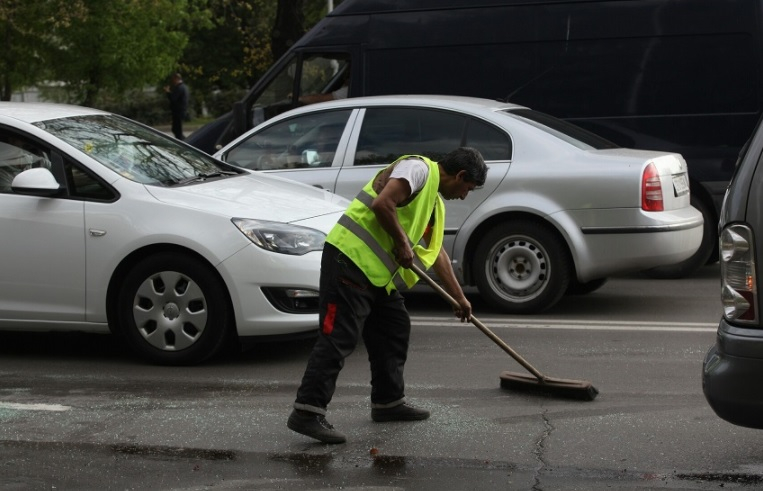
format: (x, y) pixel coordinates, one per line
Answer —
(362, 239)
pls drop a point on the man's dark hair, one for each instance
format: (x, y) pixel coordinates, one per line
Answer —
(468, 159)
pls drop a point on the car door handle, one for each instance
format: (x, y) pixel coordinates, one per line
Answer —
(318, 186)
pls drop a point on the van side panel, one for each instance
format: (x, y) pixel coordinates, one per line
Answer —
(618, 58)
(336, 31)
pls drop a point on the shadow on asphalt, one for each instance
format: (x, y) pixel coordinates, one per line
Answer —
(99, 348)
(52, 346)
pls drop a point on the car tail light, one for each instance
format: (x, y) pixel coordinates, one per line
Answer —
(738, 282)
(651, 189)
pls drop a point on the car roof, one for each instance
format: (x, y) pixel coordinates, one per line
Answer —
(32, 112)
(444, 101)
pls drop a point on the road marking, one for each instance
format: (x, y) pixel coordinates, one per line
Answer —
(33, 407)
(582, 325)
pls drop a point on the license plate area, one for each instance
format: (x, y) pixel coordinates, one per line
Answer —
(680, 184)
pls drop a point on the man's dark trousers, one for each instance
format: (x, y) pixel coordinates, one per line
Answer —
(351, 306)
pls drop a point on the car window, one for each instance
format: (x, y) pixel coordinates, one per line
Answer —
(493, 143)
(389, 132)
(18, 154)
(574, 135)
(82, 184)
(136, 152)
(309, 140)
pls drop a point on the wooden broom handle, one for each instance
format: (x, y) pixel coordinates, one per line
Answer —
(482, 327)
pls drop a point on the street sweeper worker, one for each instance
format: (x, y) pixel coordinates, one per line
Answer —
(396, 220)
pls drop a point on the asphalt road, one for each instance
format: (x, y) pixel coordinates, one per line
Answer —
(79, 412)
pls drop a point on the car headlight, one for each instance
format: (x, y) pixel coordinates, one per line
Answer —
(282, 238)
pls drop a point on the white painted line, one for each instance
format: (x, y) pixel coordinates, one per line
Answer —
(582, 325)
(33, 407)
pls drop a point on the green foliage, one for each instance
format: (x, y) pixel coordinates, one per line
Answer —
(150, 108)
(104, 53)
(234, 52)
(122, 44)
(27, 32)
(232, 55)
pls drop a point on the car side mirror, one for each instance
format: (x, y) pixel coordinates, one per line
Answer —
(38, 181)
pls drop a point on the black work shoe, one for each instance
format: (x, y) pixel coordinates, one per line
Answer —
(402, 412)
(315, 426)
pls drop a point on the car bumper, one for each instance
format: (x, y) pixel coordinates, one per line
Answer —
(603, 246)
(731, 374)
(249, 271)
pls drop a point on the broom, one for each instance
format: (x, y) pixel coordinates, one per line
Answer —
(539, 383)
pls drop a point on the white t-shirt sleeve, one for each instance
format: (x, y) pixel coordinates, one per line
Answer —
(415, 171)
(341, 92)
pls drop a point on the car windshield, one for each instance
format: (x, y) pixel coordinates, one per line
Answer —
(563, 130)
(136, 152)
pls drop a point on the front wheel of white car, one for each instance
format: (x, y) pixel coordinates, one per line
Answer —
(173, 310)
(522, 267)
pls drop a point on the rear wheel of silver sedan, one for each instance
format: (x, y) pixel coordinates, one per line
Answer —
(522, 267)
(173, 310)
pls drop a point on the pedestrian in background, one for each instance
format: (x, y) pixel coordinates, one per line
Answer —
(397, 219)
(177, 93)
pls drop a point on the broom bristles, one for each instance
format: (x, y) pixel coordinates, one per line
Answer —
(572, 389)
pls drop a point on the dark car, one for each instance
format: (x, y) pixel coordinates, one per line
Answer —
(732, 370)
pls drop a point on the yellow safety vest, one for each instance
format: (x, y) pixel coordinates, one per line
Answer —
(361, 238)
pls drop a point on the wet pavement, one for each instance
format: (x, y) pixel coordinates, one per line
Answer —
(79, 412)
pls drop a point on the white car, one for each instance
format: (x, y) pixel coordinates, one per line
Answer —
(107, 223)
(562, 209)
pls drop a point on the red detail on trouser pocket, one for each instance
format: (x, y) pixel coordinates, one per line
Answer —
(328, 321)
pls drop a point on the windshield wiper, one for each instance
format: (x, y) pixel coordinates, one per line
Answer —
(202, 176)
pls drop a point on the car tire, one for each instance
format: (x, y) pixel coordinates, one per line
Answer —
(701, 257)
(521, 268)
(173, 309)
(577, 288)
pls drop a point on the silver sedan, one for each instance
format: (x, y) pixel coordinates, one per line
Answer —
(562, 209)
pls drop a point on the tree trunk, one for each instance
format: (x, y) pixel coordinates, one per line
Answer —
(5, 95)
(288, 28)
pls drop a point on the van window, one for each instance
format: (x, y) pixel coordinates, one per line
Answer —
(275, 98)
(322, 77)
(309, 140)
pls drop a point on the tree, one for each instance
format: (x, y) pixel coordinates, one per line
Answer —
(248, 36)
(111, 47)
(234, 51)
(123, 44)
(27, 31)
